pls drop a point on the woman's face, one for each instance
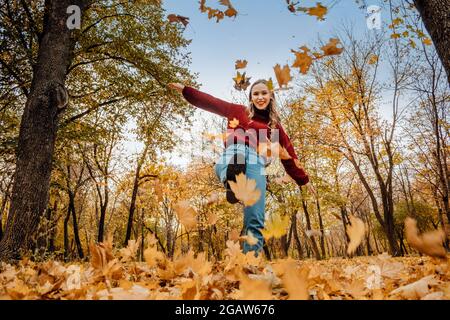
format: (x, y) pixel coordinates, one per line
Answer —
(260, 96)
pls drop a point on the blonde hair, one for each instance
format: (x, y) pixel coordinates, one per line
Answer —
(274, 117)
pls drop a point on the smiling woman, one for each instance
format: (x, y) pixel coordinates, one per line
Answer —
(252, 133)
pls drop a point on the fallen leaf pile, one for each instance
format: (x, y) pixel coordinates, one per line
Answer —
(108, 276)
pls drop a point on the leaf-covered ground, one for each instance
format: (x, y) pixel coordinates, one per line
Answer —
(116, 275)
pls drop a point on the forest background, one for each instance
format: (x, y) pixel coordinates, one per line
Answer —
(92, 142)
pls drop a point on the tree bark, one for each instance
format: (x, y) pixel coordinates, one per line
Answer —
(38, 128)
(436, 18)
(308, 226)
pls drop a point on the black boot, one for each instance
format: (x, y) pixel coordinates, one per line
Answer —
(235, 167)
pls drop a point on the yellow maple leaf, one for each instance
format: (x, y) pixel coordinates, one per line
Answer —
(129, 253)
(152, 256)
(241, 82)
(276, 227)
(186, 214)
(270, 84)
(245, 190)
(303, 60)
(355, 231)
(429, 243)
(283, 75)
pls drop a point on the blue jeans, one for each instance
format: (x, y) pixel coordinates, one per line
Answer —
(255, 169)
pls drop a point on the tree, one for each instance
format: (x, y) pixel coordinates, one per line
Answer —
(436, 16)
(45, 101)
(102, 67)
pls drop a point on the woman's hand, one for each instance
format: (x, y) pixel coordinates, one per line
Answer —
(177, 86)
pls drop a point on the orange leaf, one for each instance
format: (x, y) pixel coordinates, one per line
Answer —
(178, 18)
(241, 82)
(330, 48)
(319, 11)
(303, 60)
(355, 231)
(240, 64)
(233, 123)
(283, 75)
(429, 243)
(245, 190)
(186, 215)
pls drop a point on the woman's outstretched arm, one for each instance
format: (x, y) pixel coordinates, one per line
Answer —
(209, 103)
(292, 165)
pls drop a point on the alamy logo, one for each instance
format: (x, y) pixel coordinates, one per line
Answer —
(74, 20)
(373, 17)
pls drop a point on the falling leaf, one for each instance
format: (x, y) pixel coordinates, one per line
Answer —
(355, 231)
(416, 290)
(240, 64)
(283, 75)
(373, 59)
(331, 48)
(245, 190)
(303, 60)
(254, 289)
(152, 256)
(427, 42)
(234, 235)
(250, 238)
(429, 243)
(294, 280)
(101, 253)
(233, 123)
(270, 84)
(231, 12)
(395, 36)
(319, 11)
(276, 227)
(186, 214)
(129, 253)
(178, 18)
(241, 82)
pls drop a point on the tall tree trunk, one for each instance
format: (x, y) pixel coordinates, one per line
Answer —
(436, 18)
(134, 195)
(296, 237)
(308, 226)
(322, 238)
(38, 128)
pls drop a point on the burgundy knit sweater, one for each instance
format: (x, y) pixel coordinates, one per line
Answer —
(248, 131)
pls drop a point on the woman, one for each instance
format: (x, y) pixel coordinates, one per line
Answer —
(256, 125)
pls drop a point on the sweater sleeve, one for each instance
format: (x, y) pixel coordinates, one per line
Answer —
(212, 104)
(292, 165)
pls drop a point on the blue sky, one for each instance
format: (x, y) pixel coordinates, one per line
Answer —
(263, 33)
